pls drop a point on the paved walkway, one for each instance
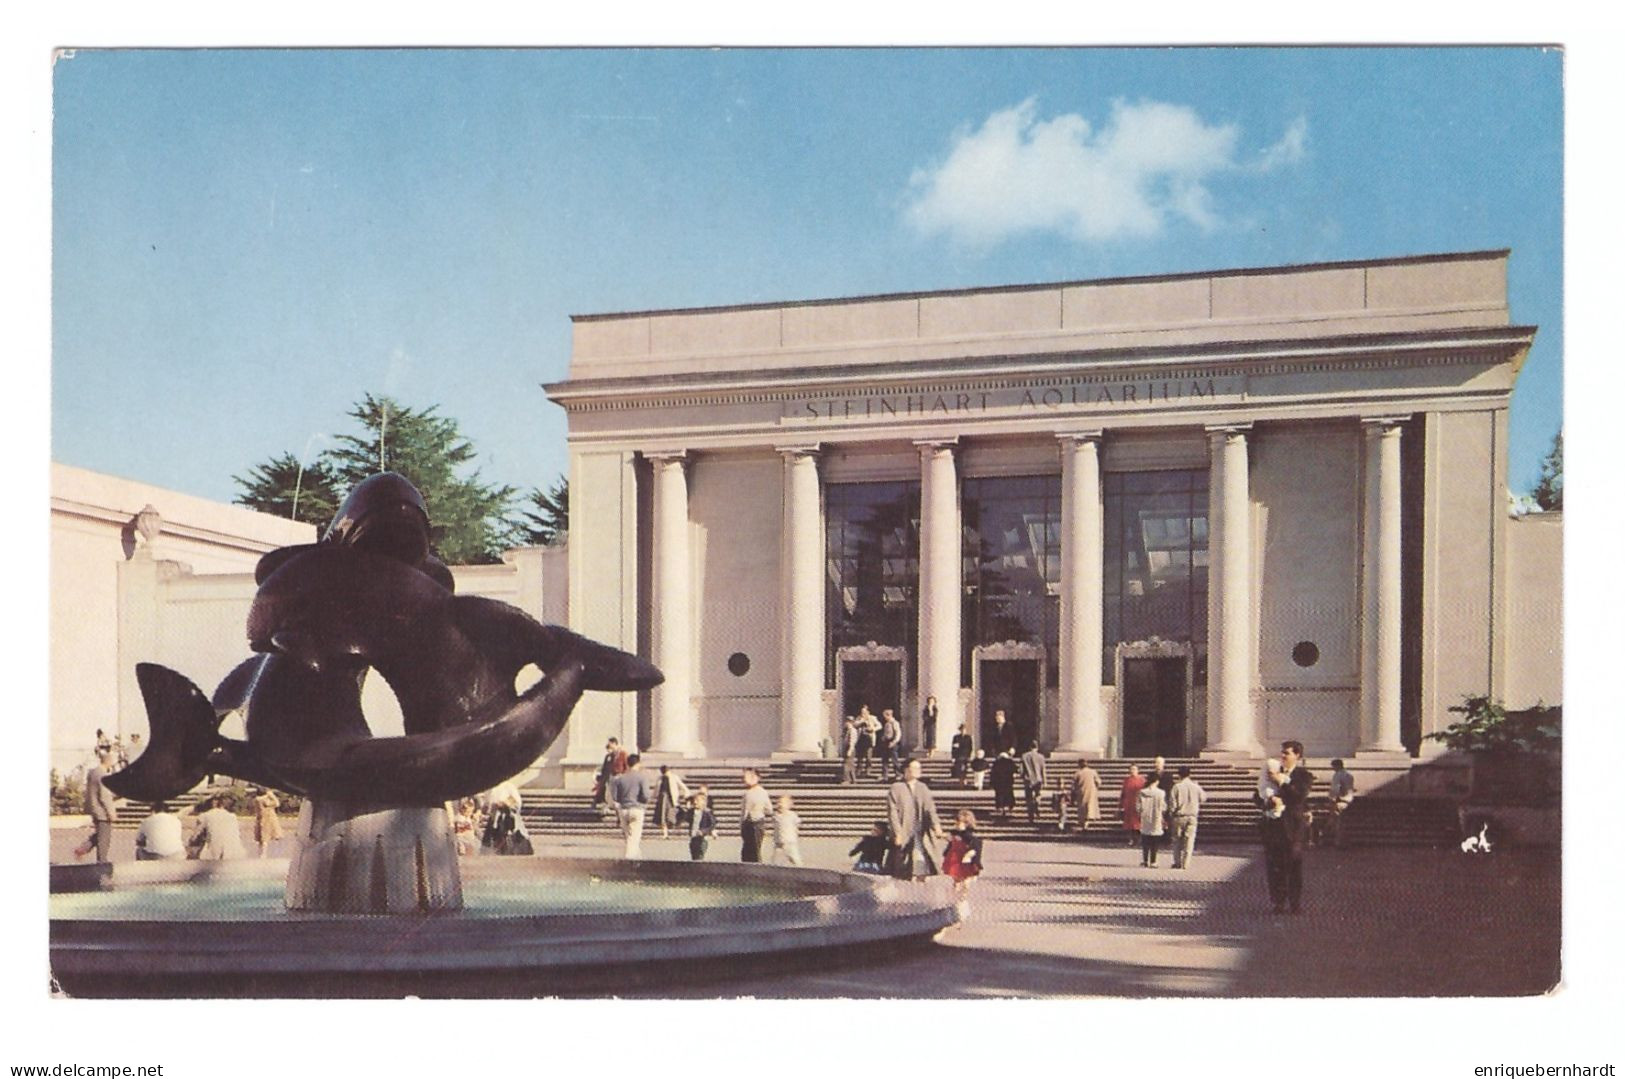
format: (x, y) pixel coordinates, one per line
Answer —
(1064, 919)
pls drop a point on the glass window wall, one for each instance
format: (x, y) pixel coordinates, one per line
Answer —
(872, 568)
(1156, 560)
(1012, 565)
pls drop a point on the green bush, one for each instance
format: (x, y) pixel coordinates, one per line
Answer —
(1487, 727)
(67, 795)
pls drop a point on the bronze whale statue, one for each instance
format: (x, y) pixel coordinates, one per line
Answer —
(370, 594)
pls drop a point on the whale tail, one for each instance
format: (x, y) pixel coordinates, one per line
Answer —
(184, 734)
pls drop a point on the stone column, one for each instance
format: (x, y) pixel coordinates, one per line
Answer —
(1230, 631)
(1083, 720)
(675, 727)
(801, 715)
(941, 587)
(1380, 592)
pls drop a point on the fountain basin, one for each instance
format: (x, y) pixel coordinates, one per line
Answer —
(530, 926)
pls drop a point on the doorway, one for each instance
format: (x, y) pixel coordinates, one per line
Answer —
(1154, 707)
(1010, 686)
(877, 683)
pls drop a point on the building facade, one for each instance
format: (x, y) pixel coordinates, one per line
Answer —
(1196, 513)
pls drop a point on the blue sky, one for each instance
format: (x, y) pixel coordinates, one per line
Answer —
(245, 242)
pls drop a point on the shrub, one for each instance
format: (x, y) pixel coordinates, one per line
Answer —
(1487, 727)
(67, 795)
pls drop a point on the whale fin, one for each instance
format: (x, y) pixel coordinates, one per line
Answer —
(513, 637)
(184, 735)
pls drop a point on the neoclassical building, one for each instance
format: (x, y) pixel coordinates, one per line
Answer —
(1193, 513)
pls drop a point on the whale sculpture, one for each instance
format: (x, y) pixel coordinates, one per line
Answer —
(371, 595)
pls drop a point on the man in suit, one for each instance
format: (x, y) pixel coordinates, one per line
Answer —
(1033, 775)
(101, 805)
(1286, 834)
(928, 726)
(1003, 736)
(916, 830)
(891, 741)
(961, 751)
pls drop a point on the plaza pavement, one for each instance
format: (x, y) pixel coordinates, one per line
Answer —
(1083, 919)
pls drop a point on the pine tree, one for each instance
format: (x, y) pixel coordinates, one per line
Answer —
(546, 520)
(285, 488)
(1549, 491)
(468, 517)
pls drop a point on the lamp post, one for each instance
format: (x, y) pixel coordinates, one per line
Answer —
(299, 478)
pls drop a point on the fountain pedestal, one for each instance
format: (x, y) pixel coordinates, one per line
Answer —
(355, 858)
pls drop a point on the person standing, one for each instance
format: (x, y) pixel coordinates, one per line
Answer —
(1153, 807)
(928, 725)
(1128, 802)
(702, 825)
(891, 741)
(1184, 806)
(102, 807)
(1033, 774)
(1342, 796)
(1003, 736)
(1287, 833)
(267, 828)
(613, 764)
(630, 793)
(849, 752)
(754, 812)
(867, 726)
(159, 835)
(911, 813)
(787, 831)
(1003, 775)
(671, 794)
(960, 751)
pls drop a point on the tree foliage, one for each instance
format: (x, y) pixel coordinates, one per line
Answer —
(545, 516)
(468, 517)
(1549, 491)
(1487, 727)
(284, 488)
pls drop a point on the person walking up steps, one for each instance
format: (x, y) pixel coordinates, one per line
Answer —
(1184, 806)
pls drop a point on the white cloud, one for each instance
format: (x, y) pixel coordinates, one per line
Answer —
(1147, 165)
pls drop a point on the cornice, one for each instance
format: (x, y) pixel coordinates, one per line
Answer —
(1026, 370)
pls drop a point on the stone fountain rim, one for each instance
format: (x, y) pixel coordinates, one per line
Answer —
(822, 909)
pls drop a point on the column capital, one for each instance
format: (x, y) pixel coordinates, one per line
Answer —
(800, 449)
(947, 442)
(1383, 424)
(666, 455)
(1065, 437)
(1224, 430)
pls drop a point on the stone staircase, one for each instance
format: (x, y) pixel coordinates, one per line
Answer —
(829, 809)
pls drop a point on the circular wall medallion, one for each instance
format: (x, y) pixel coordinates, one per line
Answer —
(738, 664)
(1305, 654)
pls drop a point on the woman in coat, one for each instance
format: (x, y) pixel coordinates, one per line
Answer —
(1086, 795)
(1129, 802)
(1153, 807)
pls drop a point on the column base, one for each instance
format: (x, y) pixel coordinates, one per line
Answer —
(694, 752)
(1093, 753)
(1230, 752)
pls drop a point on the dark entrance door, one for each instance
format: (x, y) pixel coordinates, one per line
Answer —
(1153, 707)
(877, 683)
(1010, 685)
